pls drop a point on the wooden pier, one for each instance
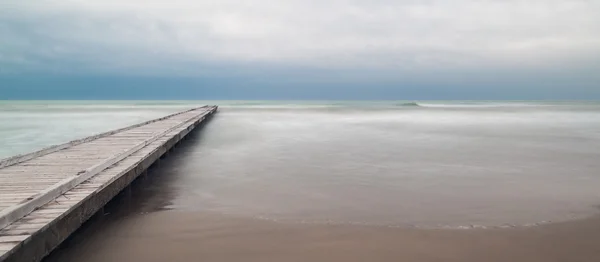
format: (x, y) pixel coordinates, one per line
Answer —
(46, 195)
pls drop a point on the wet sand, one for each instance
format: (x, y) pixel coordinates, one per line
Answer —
(184, 236)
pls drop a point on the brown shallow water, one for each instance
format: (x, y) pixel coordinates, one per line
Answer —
(184, 236)
(363, 185)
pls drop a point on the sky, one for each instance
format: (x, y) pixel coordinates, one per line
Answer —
(299, 49)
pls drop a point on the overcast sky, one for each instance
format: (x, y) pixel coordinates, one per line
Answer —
(379, 48)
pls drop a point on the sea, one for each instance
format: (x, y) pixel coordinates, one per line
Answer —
(430, 164)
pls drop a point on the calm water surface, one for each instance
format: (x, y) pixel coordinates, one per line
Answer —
(435, 164)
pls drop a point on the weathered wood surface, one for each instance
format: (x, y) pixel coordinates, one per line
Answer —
(38, 188)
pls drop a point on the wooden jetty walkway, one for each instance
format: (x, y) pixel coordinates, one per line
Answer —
(46, 195)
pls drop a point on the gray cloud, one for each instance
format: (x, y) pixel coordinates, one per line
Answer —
(183, 36)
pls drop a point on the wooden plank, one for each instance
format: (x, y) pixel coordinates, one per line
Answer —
(9, 239)
(64, 159)
(8, 199)
(23, 225)
(17, 193)
(27, 176)
(18, 232)
(52, 211)
(25, 184)
(29, 169)
(7, 246)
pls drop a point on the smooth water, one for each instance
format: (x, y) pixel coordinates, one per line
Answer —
(430, 164)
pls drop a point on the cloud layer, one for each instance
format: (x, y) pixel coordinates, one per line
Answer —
(190, 37)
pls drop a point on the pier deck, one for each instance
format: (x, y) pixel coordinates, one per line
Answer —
(46, 195)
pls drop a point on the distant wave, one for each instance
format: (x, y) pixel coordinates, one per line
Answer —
(415, 104)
